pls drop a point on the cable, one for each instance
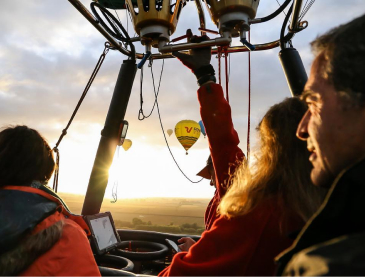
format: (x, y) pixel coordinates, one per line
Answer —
(118, 31)
(249, 101)
(126, 15)
(283, 38)
(219, 64)
(120, 21)
(226, 69)
(115, 185)
(277, 1)
(57, 169)
(114, 23)
(229, 67)
(163, 131)
(107, 47)
(306, 9)
(141, 115)
(274, 14)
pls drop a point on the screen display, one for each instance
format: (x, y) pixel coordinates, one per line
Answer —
(173, 245)
(104, 232)
(124, 130)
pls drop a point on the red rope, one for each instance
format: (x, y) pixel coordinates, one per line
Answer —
(227, 77)
(219, 64)
(249, 101)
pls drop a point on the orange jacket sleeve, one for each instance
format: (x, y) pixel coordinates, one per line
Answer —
(70, 256)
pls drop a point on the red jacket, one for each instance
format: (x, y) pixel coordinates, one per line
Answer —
(71, 255)
(245, 245)
(223, 142)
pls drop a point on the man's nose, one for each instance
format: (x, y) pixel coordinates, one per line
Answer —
(302, 131)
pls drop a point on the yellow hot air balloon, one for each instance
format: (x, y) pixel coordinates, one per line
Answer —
(169, 131)
(187, 132)
(127, 144)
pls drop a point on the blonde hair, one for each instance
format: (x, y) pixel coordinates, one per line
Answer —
(281, 170)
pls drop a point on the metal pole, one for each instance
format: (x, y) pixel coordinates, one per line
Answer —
(199, 7)
(295, 15)
(187, 46)
(109, 138)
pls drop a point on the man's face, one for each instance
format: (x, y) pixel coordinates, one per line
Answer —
(334, 134)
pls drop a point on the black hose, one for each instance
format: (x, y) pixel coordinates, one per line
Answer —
(284, 39)
(274, 14)
(119, 33)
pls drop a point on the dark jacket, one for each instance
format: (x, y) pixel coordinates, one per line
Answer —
(333, 240)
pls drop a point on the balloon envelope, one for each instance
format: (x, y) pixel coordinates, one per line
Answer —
(170, 131)
(202, 128)
(127, 144)
(187, 132)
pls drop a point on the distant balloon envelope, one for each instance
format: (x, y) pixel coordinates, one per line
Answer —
(202, 128)
(127, 144)
(169, 132)
(187, 132)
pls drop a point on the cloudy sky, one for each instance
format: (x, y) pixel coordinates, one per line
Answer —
(48, 51)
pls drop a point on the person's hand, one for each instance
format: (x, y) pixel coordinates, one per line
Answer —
(186, 243)
(198, 57)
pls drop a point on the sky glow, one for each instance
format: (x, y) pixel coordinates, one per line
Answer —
(48, 51)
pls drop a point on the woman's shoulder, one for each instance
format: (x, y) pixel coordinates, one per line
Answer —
(268, 213)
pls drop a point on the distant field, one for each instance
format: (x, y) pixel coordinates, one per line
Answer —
(156, 211)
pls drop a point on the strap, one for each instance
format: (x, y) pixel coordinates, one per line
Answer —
(205, 79)
(204, 70)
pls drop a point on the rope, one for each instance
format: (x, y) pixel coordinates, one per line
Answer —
(163, 131)
(115, 185)
(306, 9)
(141, 115)
(249, 101)
(280, 6)
(227, 73)
(219, 64)
(64, 131)
(57, 170)
(229, 66)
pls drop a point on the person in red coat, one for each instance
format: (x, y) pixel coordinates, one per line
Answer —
(38, 234)
(225, 153)
(265, 203)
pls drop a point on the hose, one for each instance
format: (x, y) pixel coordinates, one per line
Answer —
(283, 38)
(274, 14)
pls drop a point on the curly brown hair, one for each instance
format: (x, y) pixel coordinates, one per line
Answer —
(344, 52)
(24, 156)
(281, 170)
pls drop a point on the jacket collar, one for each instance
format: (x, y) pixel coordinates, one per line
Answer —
(342, 212)
(23, 207)
(20, 212)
